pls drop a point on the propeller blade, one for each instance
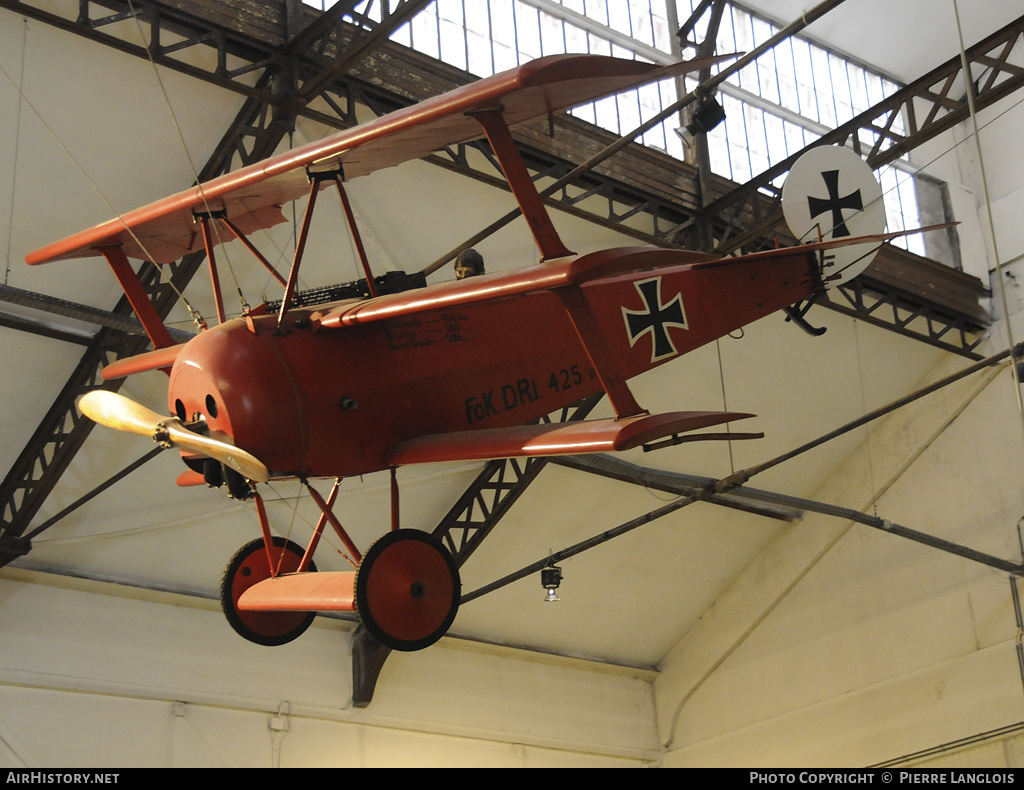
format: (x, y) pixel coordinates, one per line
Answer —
(122, 414)
(246, 464)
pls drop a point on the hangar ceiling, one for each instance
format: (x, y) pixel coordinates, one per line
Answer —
(628, 601)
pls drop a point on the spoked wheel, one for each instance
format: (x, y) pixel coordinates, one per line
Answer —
(249, 566)
(407, 590)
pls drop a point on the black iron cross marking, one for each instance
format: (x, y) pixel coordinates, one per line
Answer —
(654, 319)
(834, 203)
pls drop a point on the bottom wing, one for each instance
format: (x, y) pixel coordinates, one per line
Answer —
(589, 436)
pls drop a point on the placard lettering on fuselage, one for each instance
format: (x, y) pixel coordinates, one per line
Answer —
(418, 331)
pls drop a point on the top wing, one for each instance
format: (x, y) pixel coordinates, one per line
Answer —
(165, 230)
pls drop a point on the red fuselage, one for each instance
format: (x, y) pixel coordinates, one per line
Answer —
(317, 401)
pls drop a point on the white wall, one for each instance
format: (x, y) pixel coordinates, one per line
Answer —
(842, 645)
(94, 674)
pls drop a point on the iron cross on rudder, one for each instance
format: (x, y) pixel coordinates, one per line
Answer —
(834, 203)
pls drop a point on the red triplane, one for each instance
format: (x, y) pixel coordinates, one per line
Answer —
(361, 385)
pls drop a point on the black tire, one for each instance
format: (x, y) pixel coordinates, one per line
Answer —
(407, 590)
(247, 567)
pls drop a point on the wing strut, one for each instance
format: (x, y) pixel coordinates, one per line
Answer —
(218, 297)
(249, 246)
(551, 246)
(300, 248)
(140, 302)
(328, 513)
(316, 179)
(326, 508)
(530, 202)
(601, 359)
(350, 217)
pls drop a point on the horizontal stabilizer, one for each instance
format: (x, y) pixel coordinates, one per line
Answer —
(302, 592)
(820, 246)
(589, 436)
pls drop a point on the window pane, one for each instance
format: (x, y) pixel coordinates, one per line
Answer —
(598, 10)
(796, 140)
(618, 17)
(823, 87)
(477, 19)
(789, 96)
(503, 23)
(478, 48)
(575, 39)
(643, 27)
(775, 132)
(453, 36)
(599, 46)
(528, 29)
(805, 79)
(552, 35)
(718, 151)
(424, 32)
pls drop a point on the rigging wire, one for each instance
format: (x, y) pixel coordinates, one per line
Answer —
(188, 156)
(969, 84)
(17, 141)
(864, 405)
(725, 402)
(99, 192)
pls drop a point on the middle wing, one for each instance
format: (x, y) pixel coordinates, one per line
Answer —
(569, 271)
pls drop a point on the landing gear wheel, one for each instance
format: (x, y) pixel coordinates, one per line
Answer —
(249, 566)
(407, 590)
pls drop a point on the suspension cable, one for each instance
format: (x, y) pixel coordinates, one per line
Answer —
(969, 83)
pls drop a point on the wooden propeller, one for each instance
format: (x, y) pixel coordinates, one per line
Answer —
(122, 414)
